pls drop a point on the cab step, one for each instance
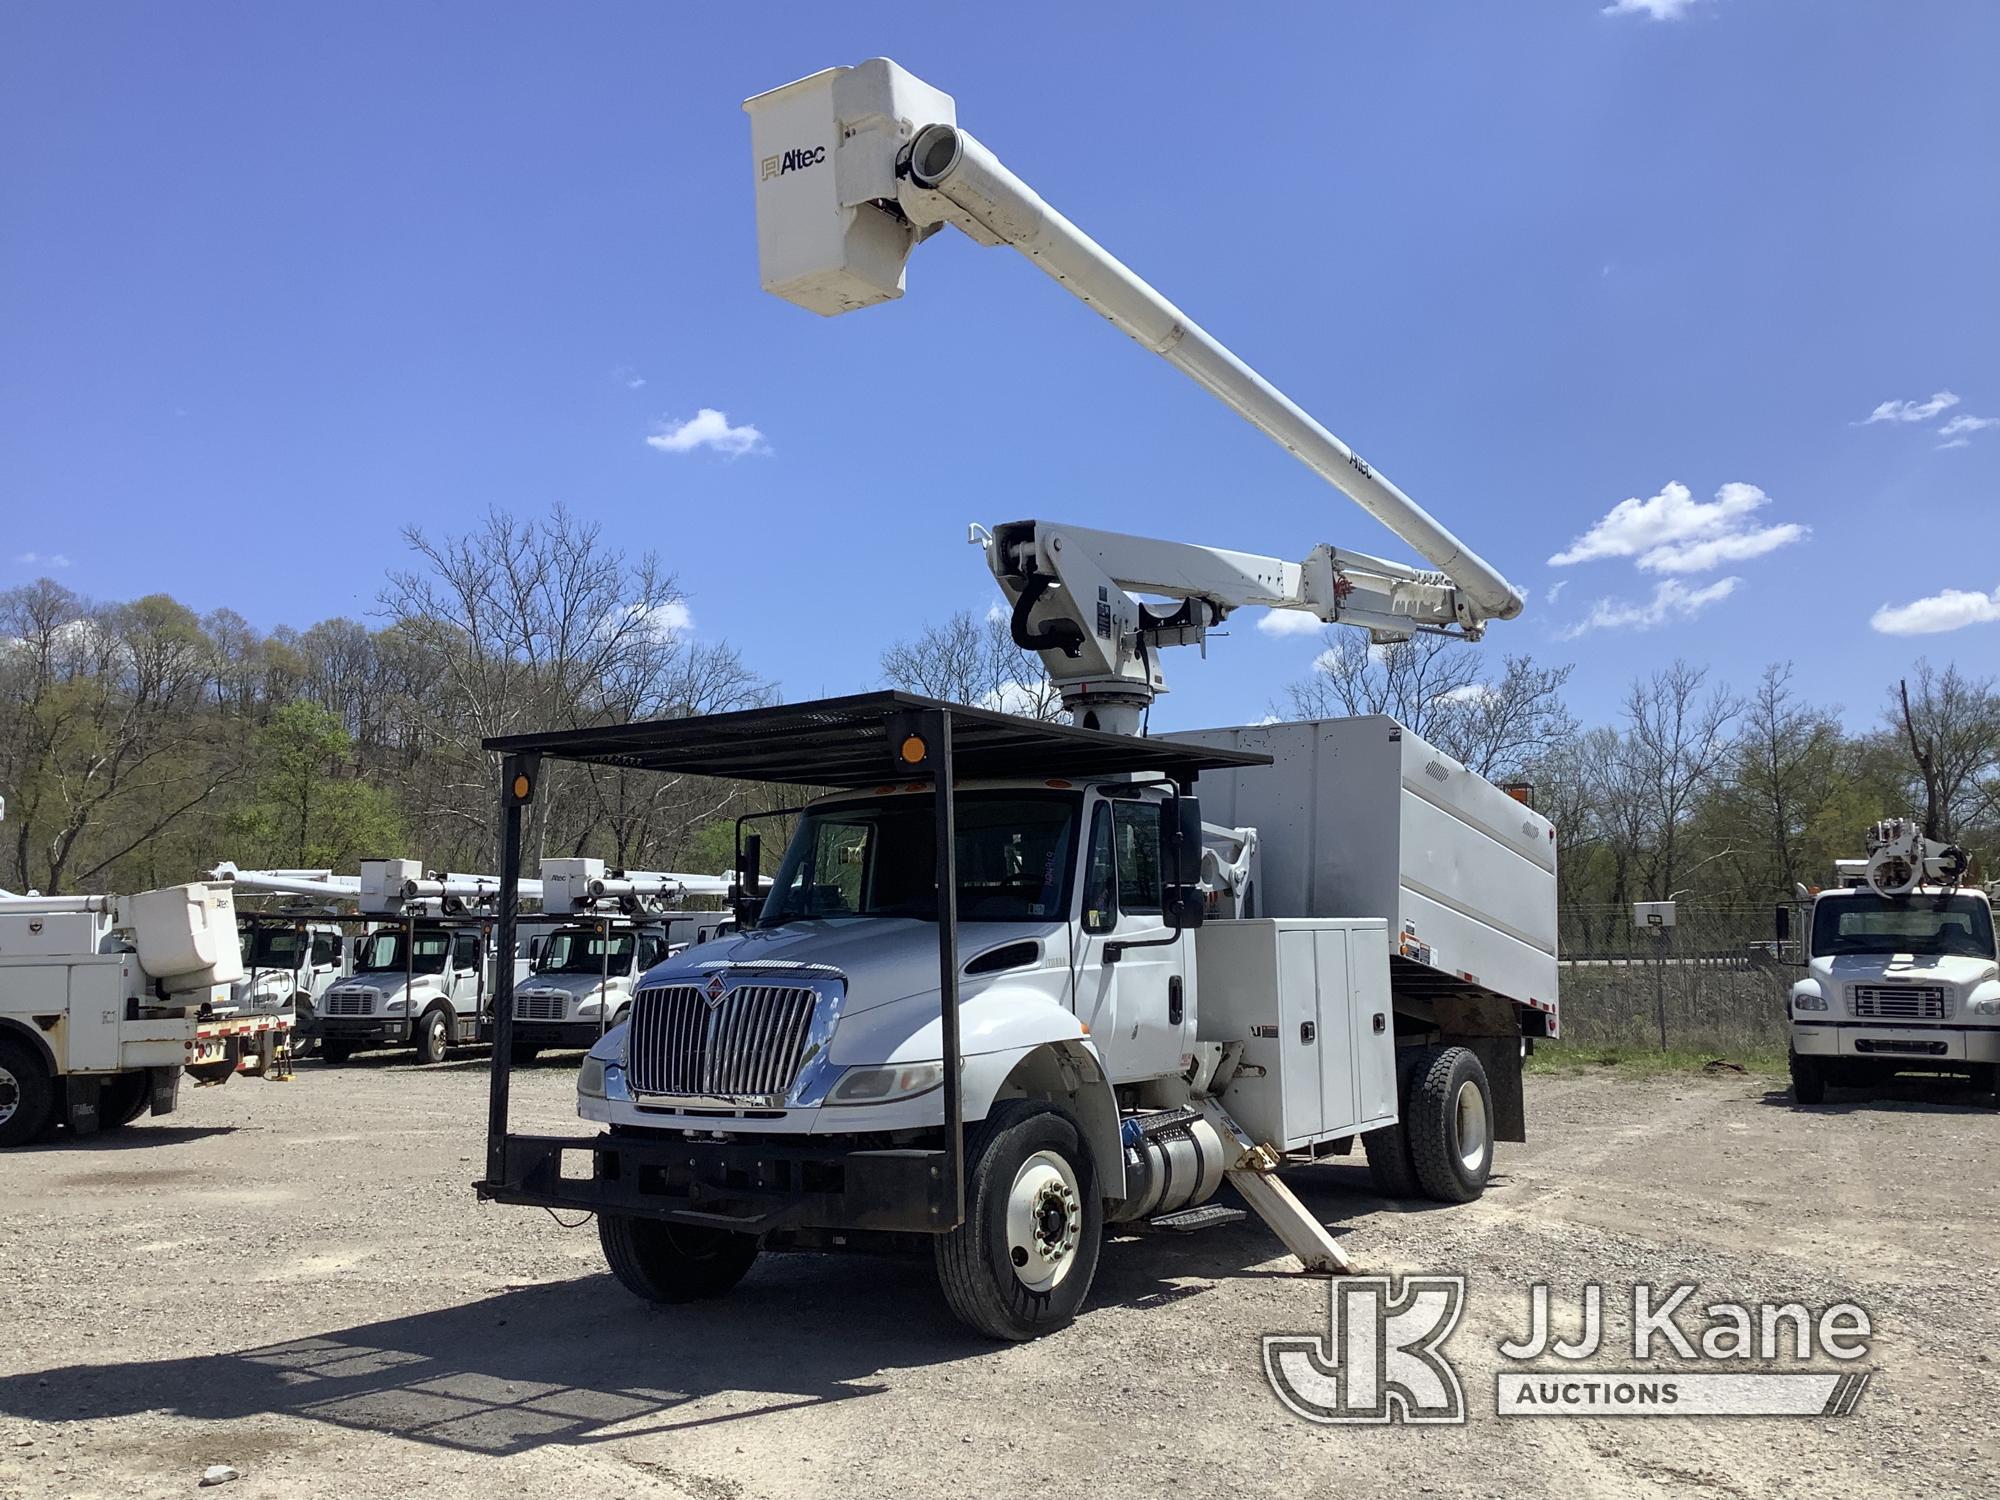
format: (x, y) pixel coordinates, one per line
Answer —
(1206, 1216)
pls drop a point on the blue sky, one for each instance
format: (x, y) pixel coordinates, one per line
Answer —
(277, 280)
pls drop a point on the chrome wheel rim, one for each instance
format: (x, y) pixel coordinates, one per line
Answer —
(10, 1095)
(1469, 1122)
(1044, 1221)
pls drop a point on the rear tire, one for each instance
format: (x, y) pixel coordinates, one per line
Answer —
(433, 1036)
(1450, 1124)
(1808, 1080)
(661, 1261)
(1022, 1262)
(122, 1099)
(1389, 1166)
(27, 1095)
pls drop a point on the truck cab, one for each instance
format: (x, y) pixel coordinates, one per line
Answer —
(287, 969)
(421, 984)
(1895, 983)
(581, 982)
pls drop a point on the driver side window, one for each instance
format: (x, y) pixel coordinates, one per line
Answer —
(465, 952)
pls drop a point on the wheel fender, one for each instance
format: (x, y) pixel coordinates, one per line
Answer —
(37, 1043)
(1066, 1072)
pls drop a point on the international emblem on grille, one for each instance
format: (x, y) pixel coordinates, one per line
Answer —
(716, 990)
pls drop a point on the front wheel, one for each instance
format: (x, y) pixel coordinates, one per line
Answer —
(433, 1037)
(1023, 1260)
(662, 1261)
(336, 1050)
(1808, 1080)
(1450, 1125)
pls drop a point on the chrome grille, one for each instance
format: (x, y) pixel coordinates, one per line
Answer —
(748, 1045)
(540, 1007)
(1900, 1002)
(348, 1003)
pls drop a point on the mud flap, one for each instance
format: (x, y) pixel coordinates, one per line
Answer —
(80, 1104)
(1500, 1056)
(165, 1084)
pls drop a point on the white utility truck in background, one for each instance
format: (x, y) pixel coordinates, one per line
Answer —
(1903, 975)
(105, 999)
(1384, 937)
(619, 924)
(289, 963)
(422, 978)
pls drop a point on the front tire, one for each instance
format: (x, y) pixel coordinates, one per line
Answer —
(1808, 1080)
(662, 1261)
(1450, 1125)
(335, 1050)
(1023, 1260)
(433, 1037)
(27, 1095)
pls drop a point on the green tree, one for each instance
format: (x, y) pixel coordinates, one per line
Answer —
(303, 811)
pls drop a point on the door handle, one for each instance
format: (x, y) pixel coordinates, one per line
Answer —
(1176, 1003)
(1307, 1031)
(1381, 1022)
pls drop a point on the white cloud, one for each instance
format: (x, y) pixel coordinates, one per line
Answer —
(1556, 588)
(670, 617)
(1911, 411)
(42, 560)
(1951, 609)
(1467, 692)
(1672, 532)
(1672, 600)
(1289, 622)
(1657, 10)
(708, 428)
(998, 612)
(1954, 434)
(1011, 698)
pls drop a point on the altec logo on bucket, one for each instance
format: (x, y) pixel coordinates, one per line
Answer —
(1382, 1357)
(795, 160)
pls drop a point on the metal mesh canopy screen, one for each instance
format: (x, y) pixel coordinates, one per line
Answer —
(843, 742)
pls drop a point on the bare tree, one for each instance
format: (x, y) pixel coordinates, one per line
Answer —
(1675, 748)
(1952, 728)
(1435, 685)
(973, 661)
(1786, 773)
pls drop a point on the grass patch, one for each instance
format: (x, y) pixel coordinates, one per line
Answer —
(1559, 1057)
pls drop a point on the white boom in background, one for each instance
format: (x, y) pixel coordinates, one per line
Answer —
(857, 166)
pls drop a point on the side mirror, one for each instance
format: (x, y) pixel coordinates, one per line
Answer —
(1182, 904)
(746, 896)
(1784, 924)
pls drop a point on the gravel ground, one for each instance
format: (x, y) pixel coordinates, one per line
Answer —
(295, 1280)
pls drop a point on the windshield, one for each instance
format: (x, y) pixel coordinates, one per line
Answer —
(879, 859)
(273, 947)
(383, 951)
(1928, 925)
(582, 951)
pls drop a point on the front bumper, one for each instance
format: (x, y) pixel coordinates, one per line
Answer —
(1936, 1046)
(749, 1186)
(580, 1035)
(394, 1029)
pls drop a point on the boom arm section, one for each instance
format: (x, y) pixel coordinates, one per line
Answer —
(1072, 591)
(856, 166)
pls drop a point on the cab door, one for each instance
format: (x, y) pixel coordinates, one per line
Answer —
(1136, 1007)
(465, 973)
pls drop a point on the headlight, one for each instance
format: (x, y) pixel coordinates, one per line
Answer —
(883, 1085)
(590, 1078)
(1808, 1002)
(1986, 1007)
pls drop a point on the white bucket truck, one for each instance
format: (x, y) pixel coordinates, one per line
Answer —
(616, 924)
(104, 999)
(982, 1008)
(1902, 973)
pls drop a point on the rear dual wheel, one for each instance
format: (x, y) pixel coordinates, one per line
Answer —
(27, 1095)
(1442, 1146)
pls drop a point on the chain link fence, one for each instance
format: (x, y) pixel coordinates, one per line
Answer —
(1714, 982)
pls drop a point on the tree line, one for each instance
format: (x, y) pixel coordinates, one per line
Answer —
(141, 743)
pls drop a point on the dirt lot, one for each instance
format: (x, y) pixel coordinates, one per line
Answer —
(384, 1334)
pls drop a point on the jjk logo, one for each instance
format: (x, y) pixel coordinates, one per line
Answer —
(796, 160)
(1379, 1360)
